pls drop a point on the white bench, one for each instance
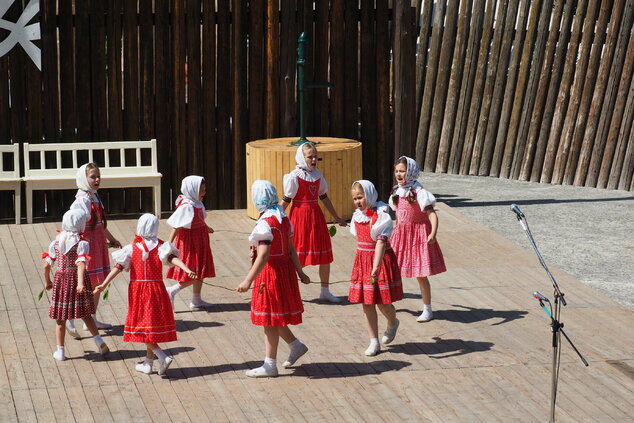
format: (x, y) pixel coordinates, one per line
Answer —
(10, 179)
(125, 175)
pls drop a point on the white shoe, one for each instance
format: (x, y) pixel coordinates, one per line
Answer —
(426, 315)
(295, 355)
(262, 372)
(373, 350)
(172, 291)
(199, 304)
(164, 365)
(390, 333)
(71, 329)
(59, 355)
(144, 368)
(103, 349)
(327, 296)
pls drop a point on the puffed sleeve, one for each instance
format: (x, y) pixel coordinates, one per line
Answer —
(82, 203)
(182, 217)
(290, 185)
(353, 228)
(390, 202)
(425, 199)
(167, 250)
(83, 248)
(123, 257)
(323, 185)
(50, 256)
(382, 228)
(261, 232)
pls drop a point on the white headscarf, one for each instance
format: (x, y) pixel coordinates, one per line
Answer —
(265, 200)
(300, 159)
(190, 189)
(411, 178)
(147, 228)
(84, 186)
(73, 224)
(371, 196)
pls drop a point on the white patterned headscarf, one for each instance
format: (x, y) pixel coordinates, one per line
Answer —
(265, 199)
(190, 191)
(73, 224)
(147, 231)
(413, 171)
(299, 157)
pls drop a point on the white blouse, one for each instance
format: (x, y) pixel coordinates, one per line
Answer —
(165, 251)
(82, 250)
(382, 227)
(183, 216)
(262, 231)
(291, 184)
(424, 198)
(83, 203)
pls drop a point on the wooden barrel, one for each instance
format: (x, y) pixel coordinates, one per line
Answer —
(339, 162)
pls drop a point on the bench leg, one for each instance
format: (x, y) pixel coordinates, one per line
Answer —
(157, 201)
(18, 204)
(29, 205)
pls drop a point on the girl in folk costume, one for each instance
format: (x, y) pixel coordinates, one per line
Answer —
(414, 238)
(375, 279)
(88, 179)
(276, 301)
(72, 297)
(304, 186)
(190, 234)
(150, 316)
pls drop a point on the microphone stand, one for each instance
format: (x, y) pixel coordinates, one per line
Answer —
(557, 327)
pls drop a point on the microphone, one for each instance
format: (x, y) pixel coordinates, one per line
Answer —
(517, 211)
(540, 297)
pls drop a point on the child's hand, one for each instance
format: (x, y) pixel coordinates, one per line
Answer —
(115, 243)
(99, 288)
(81, 288)
(191, 274)
(342, 222)
(431, 238)
(253, 252)
(375, 274)
(304, 278)
(48, 285)
(210, 229)
(244, 286)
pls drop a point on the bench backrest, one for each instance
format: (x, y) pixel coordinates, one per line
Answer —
(8, 149)
(51, 158)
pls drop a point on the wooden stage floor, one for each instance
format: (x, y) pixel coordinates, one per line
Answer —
(486, 357)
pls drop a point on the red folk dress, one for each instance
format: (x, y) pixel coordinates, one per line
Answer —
(416, 257)
(193, 243)
(276, 300)
(312, 241)
(389, 287)
(95, 233)
(150, 317)
(66, 302)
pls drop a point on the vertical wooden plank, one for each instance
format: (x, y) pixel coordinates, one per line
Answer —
(288, 63)
(179, 137)
(614, 76)
(146, 69)
(557, 27)
(83, 98)
(367, 90)
(384, 137)
(626, 180)
(518, 100)
(453, 91)
(351, 90)
(223, 95)
(336, 68)
(496, 56)
(210, 148)
(193, 86)
(466, 86)
(50, 86)
(239, 108)
(18, 95)
(322, 46)
(442, 80)
(67, 70)
(5, 128)
(306, 15)
(163, 104)
(115, 85)
(430, 82)
(564, 92)
(424, 13)
(272, 69)
(579, 66)
(257, 14)
(404, 49)
(588, 90)
(98, 64)
(478, 88)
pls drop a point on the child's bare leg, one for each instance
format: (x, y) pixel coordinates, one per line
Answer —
(100, 325)
(298, 349)
(425, 292)
(389, 311)
(197, 301)
(90, 324)
(324, 277)
(60, 332)
(371, 320)
(269, 367)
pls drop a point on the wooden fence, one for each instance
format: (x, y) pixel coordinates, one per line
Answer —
(537, 90)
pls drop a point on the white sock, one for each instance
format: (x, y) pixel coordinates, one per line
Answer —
(270, 363)
(295, 344)
(325, 289)
(160, 354)
(98, 340)
(427, 307)
(374, 342)
(196, 298)
(61, 349)
(174, 288)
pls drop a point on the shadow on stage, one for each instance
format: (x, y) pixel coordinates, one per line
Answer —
(468, 315)
(441, 348)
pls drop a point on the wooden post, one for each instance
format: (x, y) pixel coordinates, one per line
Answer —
(404, 99)
(384, 138)
(367, 91)
(210, 148)
(421, 51)
(239, 103)
(272, 69)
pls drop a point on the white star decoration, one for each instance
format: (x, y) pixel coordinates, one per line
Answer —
(20, 32)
